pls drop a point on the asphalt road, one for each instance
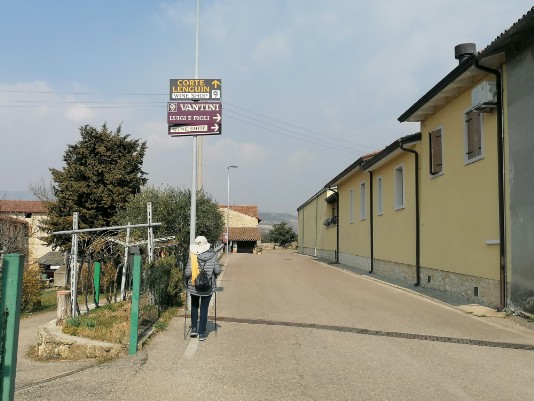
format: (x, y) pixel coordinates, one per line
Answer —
(292, 328)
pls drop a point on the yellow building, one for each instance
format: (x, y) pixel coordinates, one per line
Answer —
(31, 213)
(243, 230)
(317, 226)
(450, 207)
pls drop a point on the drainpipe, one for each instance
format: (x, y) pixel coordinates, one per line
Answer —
(417, 228)
(337, 225)
(371, 222)
(500, 167)
(316, 228)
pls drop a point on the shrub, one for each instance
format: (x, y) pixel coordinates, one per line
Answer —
(164, 281)
(31, 288)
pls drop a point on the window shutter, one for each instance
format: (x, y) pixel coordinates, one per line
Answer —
(474, 134)
(436, 152)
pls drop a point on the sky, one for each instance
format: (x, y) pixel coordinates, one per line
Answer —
(307, 86)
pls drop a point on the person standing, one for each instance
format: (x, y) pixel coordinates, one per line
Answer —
(201, 257)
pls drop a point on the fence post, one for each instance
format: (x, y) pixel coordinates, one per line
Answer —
(134, 316)
(12, 271)
(96, 277)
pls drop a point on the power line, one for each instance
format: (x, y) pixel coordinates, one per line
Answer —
(311, 140)
(299, 136)
(311, 136)
(300, 127)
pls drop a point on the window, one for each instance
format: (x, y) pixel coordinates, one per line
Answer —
(399, 187)
(332, 220)
(379, 196)
(436, 151)
(351, 207)
(473, 136)
(362, 200)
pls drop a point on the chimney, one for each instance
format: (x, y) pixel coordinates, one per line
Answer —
(464, 50)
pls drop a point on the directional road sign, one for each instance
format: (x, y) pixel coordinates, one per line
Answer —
(194, 118)
(194, 112)
(195, 89)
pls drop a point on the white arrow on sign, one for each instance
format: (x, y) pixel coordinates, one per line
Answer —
(217, 117)
(215, 128)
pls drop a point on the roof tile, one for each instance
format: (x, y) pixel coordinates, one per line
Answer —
(21, 206)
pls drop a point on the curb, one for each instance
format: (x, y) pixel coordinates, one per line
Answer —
(52, 343)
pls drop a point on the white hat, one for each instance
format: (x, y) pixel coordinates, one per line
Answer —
(201, 245)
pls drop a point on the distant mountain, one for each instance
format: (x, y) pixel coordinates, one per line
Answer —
(269, 219)
(16, 195)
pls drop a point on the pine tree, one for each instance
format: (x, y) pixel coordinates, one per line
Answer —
(102, 172)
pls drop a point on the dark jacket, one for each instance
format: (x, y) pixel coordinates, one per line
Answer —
(211, 266)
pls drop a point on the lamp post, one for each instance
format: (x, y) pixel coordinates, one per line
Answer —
(228, 210)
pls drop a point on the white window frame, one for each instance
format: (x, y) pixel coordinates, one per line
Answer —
(351, 207)
(379, 197)
(482, 147)
(363, 214)
(399, 187)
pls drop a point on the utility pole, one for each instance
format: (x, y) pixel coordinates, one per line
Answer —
(192, 227)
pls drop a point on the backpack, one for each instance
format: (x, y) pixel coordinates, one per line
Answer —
(202, 281)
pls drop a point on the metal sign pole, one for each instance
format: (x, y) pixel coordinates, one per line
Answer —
(150, 233)
(74, 265)
(193, 222)
(125, 264)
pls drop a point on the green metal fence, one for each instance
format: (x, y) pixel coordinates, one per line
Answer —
(12, 271)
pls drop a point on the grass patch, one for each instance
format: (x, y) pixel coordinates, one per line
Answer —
(48, 303)
(165, 318)
(110, 323)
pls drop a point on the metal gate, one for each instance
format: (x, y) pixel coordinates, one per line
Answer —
(3, 325)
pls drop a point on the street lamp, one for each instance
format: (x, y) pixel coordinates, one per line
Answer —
(228, 210)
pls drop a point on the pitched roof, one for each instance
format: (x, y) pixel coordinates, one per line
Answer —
(390, 151)
(248, 210)
(350, 169)
(466, 74)
(523, 26)
(52, 258)
(22, 206)
(243, 233)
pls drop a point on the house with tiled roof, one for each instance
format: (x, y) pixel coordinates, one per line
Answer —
(29, 213)
(242, 222)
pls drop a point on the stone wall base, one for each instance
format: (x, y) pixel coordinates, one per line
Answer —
(54, 344)
(327, 255)
(487, 292)
(454, 284)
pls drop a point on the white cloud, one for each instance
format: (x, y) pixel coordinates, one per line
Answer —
(79, 113)
(271, 49)
(345, 69)
(300, 160)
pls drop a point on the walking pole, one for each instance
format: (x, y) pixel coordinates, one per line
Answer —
(185, 313)
(215, 310)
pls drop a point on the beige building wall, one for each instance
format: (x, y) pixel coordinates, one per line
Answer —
(308, 226)
(314, 237)
(37, 247)
(459, 208)
(354, 229)
(237, 219)
(394, 229)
